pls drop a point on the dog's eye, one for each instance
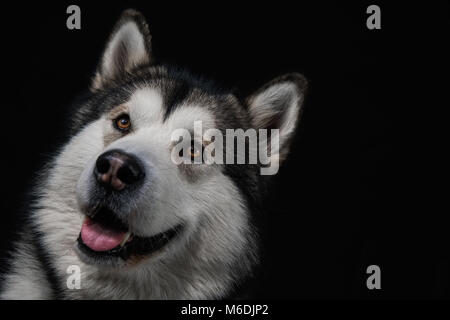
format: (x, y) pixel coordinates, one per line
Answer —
(195, 150)
(123, 122)
(193, 153)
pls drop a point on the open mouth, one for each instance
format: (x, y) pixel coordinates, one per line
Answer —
(104, 236)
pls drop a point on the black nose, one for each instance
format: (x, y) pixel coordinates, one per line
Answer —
(116, 169)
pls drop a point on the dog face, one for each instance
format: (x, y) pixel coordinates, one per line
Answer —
(138, 204)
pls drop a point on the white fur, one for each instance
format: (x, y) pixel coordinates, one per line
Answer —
(202, 263)
(130, 37)
(115, 62)
(26, 281)
(266, 105)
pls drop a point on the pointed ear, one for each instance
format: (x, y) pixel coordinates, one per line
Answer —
(128, 47)
(278, 105)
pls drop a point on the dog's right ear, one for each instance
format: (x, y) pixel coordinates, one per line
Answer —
(128, 47)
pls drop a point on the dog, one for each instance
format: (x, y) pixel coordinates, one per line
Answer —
(113, 217)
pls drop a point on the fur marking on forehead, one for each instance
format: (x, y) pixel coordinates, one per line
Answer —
(187, 115)
(146, 105)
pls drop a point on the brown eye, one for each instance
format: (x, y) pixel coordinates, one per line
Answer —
(196, 150)
(123, 122)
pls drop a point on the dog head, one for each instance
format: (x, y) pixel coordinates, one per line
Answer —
(141, 206)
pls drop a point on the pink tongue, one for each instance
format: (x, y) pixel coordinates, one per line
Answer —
(99, 238)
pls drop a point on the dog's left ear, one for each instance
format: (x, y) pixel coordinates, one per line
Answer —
(278, 105)
(128, 47)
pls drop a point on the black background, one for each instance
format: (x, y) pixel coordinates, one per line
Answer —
(358, 188)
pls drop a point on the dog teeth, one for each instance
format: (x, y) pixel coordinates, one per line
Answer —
(126, 238)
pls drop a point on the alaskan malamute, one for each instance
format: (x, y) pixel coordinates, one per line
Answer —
(114, 217)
